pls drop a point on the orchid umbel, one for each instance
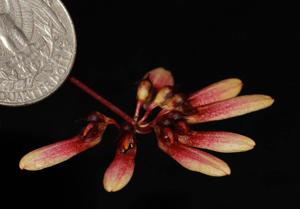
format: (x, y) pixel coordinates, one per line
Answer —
(171, 126)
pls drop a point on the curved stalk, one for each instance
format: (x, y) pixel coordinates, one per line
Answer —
(101, 99)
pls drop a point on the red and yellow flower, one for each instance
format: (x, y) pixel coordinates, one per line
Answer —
(216, 102)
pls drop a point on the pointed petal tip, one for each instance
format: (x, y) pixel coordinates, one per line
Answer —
(250, 143)
(234, 82)
(110, 188)
(270, 99)
(224, 171)
(228, 172)
(27, 162)
(118, 174)
(113, 187)
(21, 165)
(24, 164)
(246, 145)
(262, 101)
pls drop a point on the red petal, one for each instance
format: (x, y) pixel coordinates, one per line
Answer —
(53, 154)
(215, 92)
(160, 78)
(120, 171)
(217, 141)
(230, 108)
(195, 160)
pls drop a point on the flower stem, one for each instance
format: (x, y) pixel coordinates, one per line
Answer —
(137, 110)
(101, 99)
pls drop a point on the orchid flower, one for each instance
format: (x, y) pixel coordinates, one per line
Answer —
(174, 136)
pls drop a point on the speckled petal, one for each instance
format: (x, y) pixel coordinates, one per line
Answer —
(215, 92)
(195, 160)
(56, 153)
(219, 141)
(230, 108)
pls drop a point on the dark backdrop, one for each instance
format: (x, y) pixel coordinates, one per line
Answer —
(200, 43)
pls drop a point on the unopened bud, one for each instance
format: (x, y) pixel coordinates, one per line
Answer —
(163, 94)
(174, 102)
(144, 90)
(160, 78)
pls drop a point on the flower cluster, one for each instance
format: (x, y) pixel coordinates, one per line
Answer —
(171, 125)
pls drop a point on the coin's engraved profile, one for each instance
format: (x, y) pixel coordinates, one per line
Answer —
(37, 49)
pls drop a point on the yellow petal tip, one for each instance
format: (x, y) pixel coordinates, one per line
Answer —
(251, 143)
(21, 165)
(25, 164)
(113, 186)
(236, 81)
(226, 171)
(108, 188)
(266, 101)
(248, 144)
(222, 172)
(112, 189)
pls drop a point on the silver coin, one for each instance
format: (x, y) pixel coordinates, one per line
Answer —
(37, 49)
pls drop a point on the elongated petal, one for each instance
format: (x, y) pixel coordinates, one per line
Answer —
(217, 141)
(120, 171)
(160, 78)
(196, 160)
(56, 153)
(215, 92)
(230, 108)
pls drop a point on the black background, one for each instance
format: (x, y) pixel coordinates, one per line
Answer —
(200, 43)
